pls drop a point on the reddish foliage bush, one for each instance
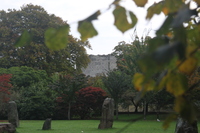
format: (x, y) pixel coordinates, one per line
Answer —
(89, 101)
(5, 86)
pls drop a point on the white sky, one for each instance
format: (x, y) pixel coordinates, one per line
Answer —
(74, 10)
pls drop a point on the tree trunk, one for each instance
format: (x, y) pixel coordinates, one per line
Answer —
(182, 126)
(147, 109)
(144, 109)
(69, 109)
(136, 108)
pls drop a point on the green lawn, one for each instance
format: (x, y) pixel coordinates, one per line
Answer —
(125, 124)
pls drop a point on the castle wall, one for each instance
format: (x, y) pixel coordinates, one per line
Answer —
(100, 64)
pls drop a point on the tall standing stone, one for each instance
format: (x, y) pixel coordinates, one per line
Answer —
(13, 114)
(183, 126)
(47, 124)
(107, 114)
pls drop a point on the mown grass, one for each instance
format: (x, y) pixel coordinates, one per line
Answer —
(125, 124)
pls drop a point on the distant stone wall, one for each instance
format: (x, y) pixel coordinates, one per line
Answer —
(100, 64)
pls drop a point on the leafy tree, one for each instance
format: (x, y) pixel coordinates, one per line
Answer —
(89, 101)
(162, 99)
(127, 54)
(25, 76)
(130, 98)
(127, 61)
(67, 86)
(116, 83)
(31, 22)
(96, 82)
(37, 102)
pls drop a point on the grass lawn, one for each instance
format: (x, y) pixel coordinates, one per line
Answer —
(125, 124)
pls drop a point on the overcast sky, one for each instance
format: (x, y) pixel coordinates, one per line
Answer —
(74, 10)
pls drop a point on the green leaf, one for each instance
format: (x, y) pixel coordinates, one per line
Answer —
(156, 42)
(176, 84)
(140, 3)
(168, 120)
(156, 8)
(169, 7)
(121, 21)
(161, 80)
(57, 39)
(185, 108)
(24, 39)
(86, 29)
(165, 28)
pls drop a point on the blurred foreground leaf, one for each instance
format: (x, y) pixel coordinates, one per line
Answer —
(86, 28)
(56, 39)
(24, 39)
(142, 84)
(188, 66)
(121, 21)
(140, 3)
(176, 83)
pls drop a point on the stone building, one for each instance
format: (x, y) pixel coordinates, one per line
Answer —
(100, 64)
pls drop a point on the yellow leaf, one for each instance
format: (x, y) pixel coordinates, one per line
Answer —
(165, 10)
(140, 3)
(176, 83)
(188, 66)
(140, 83)
(137, 81)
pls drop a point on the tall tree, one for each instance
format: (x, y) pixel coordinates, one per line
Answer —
(127, 54)
(116, 83)
(67, 86)
(31, 22)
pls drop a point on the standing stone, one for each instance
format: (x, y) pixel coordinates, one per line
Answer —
(13, 114)
(107, 114)
(47, 124)
(183, 126)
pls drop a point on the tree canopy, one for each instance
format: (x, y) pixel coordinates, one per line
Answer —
(26, 29)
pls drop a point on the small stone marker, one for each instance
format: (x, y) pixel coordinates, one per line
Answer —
(107, 114)
(13, 114)
(47, 124)
(183, 126)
